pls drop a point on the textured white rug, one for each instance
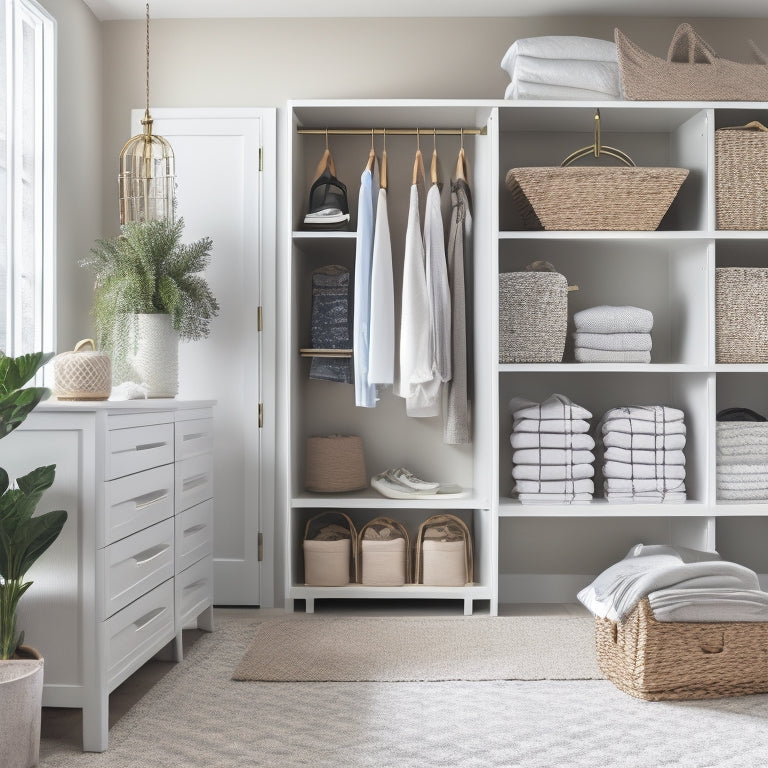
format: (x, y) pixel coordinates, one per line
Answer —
(360, 649)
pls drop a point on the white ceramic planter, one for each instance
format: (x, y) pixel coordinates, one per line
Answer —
(156, 357)
(21, 699)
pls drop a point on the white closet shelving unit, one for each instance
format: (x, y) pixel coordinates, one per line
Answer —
(531, 553)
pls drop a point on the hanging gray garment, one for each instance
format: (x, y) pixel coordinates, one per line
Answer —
(459, 256)
(331, 322)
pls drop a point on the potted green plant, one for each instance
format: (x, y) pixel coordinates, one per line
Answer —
(23, 538)
(149, 295)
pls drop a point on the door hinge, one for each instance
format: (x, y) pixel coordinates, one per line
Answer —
(261, 158)
(261, 415)
(260, 319)
(261, 546)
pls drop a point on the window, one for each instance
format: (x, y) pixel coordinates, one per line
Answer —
(27, 178)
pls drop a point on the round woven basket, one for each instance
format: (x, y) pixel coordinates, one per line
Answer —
(335, 464)
(82, 374)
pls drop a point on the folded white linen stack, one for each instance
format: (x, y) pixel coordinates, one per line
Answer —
(552, 461)
(642, 454)
(562, 67)
(608, 334)
(742, 460)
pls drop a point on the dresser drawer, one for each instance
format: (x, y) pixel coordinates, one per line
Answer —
(194, 534)
(193, 437)
(133, 566)
(137, 448)
(194, 590)
(137, 501)
(137, 632)
(194, 481)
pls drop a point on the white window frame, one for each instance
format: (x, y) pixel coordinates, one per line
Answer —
(18, 14)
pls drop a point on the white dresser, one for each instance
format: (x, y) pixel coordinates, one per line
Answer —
(133, 564)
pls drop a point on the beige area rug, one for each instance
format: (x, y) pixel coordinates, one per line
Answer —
(382, 649)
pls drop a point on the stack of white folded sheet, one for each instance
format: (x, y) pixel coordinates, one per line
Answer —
(681, 585)
(552, 459)
(742, 460)
(562, 67)
(607, 334)
(643, 459)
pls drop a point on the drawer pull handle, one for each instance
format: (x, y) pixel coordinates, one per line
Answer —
(195, 584)
(150, 446)
(147, 617)
(194, 436)
(195, 529)
(150, 554)
(194, 481)
(147, 499)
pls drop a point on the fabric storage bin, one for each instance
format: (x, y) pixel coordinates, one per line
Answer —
(533, 315)
(335, 464)
(444, 552)
(330, 551)
(741, 177)
(657, 660)
(384, 553)
(741, 315)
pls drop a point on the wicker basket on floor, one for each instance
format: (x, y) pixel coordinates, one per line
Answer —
(657, 660)
(741, 315)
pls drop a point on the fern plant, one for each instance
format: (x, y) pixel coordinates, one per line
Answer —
(148, 270)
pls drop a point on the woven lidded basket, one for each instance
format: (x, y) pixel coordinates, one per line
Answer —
(82, 374)
(659, 660)
(533, 315)
(335, 464)
(594, 198)
(741, 176)
(741, 315)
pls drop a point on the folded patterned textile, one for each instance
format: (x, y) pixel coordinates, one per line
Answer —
(554, 498)
(743, 494)
(614, 342)
(624, 440)
(733, 471)
(636, 427)
(555, 426)
(581, 442)
(641, 485)
(709, 604)
(554, 407)
(652, 413)
(647, 497)
(557, 456)
(620, 469)
(602, 77)
(584, 355)
(584, 485)
(641, 456)
(520, 89)
(607, 319)
(645, 569)
(552, 471)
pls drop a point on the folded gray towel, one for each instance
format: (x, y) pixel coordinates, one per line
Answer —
(614, 342)
(584, 355)
(608, 319)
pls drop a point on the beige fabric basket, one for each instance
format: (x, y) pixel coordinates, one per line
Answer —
(385, 561)
(741, 176)
(440, 565)
(741, 315)
(83, 374)
(335, 464)
(594, 198)
(657, 660)
(330, 563)
(533, 315)
(692, 71)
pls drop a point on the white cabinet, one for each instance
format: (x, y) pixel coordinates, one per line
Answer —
(132, 565)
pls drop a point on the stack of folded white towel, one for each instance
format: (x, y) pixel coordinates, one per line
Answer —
(742, 459)
(613, 335)
(562, 67)
(643, 459)
(552, 460)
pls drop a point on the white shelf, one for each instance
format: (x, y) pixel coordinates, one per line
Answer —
(569, 368)
(601, 508)
(609, 236)
(372, 500)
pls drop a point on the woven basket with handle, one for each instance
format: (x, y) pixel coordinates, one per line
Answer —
(83, 374)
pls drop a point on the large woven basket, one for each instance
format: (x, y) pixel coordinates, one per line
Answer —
(692, 71)
(384, 553)
(594, 198)
(335, 464)
(741, 315)
(741, 176)
(449, 562)
(330, 562)
(657, 660)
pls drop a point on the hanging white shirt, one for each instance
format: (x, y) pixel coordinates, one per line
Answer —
(381, 351)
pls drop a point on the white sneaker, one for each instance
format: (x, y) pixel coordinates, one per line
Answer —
(402, 475)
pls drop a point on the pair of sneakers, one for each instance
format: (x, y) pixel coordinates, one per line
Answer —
(328, 206)
(400, 483)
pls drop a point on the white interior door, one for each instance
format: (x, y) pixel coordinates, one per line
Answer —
(223, 194)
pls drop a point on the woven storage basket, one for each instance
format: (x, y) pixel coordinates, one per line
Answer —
(385, 561)
(448, 562)
(741, 315)
(82, 374)
(657, 660)
(335, 464)
(594, 198)
(330, 563)
(741, 177)
(533, 316)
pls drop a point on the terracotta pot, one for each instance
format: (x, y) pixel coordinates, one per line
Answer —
(21, 694)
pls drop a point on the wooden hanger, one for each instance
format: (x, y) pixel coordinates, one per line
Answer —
(433, 166)
(383, 171)
(461, 162)
(326, 161)
(371, 155)
(418, 162)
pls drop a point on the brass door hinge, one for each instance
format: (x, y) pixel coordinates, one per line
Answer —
(261, 415)
(261, 158)
(259, 319)
(261, 546)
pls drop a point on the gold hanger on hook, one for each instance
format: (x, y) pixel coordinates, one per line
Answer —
(461, 169)
(433, 166)
(418, 162)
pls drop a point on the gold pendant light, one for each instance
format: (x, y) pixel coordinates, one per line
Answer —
(147, 171)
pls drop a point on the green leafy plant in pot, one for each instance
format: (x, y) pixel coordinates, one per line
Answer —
(24, 537)
(150, 294)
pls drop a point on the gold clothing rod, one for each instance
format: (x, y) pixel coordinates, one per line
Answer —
(394, 131)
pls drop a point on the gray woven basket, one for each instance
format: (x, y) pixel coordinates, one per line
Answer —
(594, 198)
(741, 177)
(533, 317)
(741, 315)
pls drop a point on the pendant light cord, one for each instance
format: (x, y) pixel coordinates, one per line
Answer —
(147, 58)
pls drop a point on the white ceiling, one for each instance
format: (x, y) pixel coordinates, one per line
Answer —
(108, 10)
